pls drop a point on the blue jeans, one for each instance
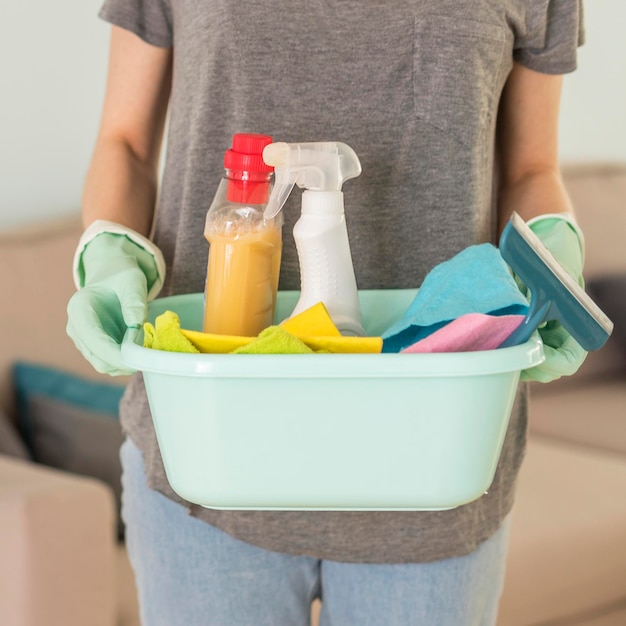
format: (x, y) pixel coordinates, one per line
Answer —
(191, 573)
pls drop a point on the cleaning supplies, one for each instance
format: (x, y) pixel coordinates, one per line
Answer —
(475, 280)
(275, 340)
(245, 246)
(166, 334)
(312, 327)
(555, 295)
(471, 332)
(321, 236)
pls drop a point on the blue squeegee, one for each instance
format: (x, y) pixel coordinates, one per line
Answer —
(554, 294)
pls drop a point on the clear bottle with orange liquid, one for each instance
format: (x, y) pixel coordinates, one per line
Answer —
(244, 247)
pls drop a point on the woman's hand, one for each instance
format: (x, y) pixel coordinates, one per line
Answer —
(530, 183)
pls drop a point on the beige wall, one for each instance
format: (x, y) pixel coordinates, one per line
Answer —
(593, 118)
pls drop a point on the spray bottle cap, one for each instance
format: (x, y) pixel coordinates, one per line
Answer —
(248, 172)
(316, 166)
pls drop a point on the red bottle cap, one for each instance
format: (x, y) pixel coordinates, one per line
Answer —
(246, 154)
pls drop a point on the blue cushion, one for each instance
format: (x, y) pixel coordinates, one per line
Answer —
(71, 423)
(32, 379)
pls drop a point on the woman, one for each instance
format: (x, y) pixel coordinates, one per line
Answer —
(453, 109)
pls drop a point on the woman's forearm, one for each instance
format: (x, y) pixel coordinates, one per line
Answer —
(122, 180)
(119, 187)
(527, 140)
(532, 195)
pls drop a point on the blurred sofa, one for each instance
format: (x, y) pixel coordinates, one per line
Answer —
(567, 560)
(64, 563)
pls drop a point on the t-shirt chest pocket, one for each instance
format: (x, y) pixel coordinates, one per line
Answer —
(458, 64)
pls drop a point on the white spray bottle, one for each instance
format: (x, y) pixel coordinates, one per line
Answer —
(321, 236)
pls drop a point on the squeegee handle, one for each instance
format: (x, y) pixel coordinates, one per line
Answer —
(537, 314)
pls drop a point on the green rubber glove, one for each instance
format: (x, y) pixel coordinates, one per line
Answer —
(564, 355)
(115, 275)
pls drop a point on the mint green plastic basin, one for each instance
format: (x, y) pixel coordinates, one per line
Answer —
(329, 431)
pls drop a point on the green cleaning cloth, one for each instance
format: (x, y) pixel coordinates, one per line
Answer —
(166, 334)
(274, 340)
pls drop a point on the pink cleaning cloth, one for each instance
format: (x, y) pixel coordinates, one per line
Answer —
(468, 333)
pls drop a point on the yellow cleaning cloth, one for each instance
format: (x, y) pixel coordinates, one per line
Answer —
(346, 345)
(312, 322)
(166, 334)
(216, 344)
(275, 340)
(316, 329)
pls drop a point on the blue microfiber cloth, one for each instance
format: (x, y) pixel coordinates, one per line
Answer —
(477, 280)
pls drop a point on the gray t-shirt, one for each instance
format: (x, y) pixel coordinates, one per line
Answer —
(413, 86)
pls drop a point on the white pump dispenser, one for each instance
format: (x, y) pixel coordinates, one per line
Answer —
(321, 236)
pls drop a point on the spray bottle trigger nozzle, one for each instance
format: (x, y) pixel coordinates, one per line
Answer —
(321, 166)
(278, 197)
